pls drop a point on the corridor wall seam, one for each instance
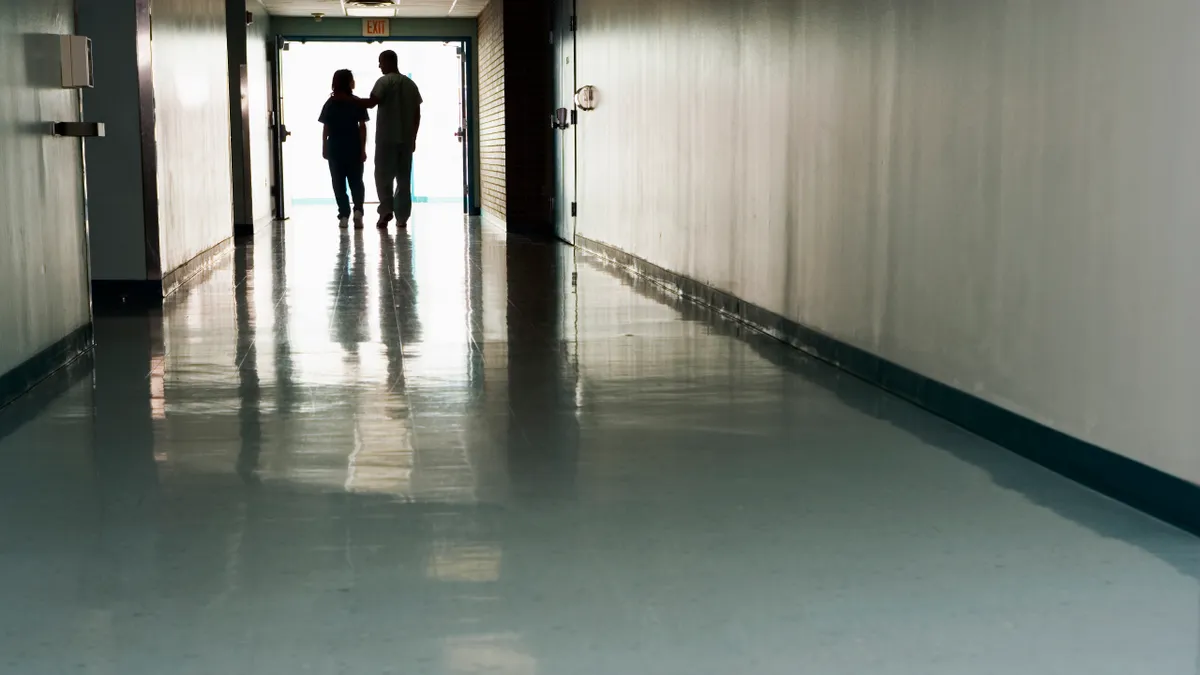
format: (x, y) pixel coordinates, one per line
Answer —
(247, 48)
(997, 196)
(528, 101)
(236, 46)
(258, 36)
(115, 208)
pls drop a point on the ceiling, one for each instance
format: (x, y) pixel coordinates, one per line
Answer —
(424, 9)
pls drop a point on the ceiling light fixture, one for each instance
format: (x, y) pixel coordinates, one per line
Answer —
(369, 12)
(369, 8)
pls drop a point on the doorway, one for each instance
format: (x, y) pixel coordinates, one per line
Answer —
(439, 68)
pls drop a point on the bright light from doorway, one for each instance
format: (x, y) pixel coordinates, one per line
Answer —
(307, 69)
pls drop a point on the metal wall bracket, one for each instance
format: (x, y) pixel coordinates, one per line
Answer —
(77, 129)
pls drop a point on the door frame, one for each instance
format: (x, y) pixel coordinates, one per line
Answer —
(566, 140)
(278, 130)
(471, 201)
(465, 124)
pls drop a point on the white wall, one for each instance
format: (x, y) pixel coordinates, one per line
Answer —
(191, 90)
(43, 260)
(1000, 195)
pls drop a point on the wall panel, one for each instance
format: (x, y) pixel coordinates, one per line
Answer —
(1000, 195)
(191, 88)
(43, 251)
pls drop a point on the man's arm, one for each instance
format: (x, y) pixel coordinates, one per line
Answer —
(376, 94)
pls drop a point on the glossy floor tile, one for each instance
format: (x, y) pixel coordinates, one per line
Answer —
(436, 451)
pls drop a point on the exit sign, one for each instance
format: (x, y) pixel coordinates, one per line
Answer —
(377, 28)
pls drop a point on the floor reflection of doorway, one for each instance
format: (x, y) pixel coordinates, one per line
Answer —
(308, 69)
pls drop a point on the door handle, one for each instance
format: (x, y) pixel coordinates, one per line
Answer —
(560, 119)
(283, 132)
(461, 135)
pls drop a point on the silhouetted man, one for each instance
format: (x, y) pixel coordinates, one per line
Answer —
(396, 126)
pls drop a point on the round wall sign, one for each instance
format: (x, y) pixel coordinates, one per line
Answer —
(585, 98)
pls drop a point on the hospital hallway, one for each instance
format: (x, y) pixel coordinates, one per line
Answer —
(445, 450)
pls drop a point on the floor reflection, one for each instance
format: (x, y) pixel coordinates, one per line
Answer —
(350, 292)
(446, 451)
(126, 457)
(246, 362)
(543, 430)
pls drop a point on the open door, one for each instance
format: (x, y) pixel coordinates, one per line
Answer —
(279, 132)
(564, 120)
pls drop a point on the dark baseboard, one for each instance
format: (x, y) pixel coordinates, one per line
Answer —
(1157, 493)
(537, 231)
(110, 295)
(17, 382)
(115, 296)
(34, 402)
(245, 230)
(177, 277)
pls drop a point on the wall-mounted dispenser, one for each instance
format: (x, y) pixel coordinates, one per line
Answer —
(75, 52)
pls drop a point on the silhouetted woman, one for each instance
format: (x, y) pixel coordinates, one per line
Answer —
(344, 144)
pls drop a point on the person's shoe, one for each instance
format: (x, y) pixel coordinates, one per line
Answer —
(383, 221)
(402, 224)
(358, 219)
(343, 222)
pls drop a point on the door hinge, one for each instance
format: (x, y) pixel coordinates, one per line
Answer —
(574, 209)
(574, 23)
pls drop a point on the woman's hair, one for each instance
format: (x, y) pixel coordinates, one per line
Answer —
(343, 82)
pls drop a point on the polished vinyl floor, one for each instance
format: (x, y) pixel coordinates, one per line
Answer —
(437, 451)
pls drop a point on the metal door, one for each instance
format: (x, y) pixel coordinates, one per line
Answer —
(564, 120)
(279, 132)
(464, 64)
